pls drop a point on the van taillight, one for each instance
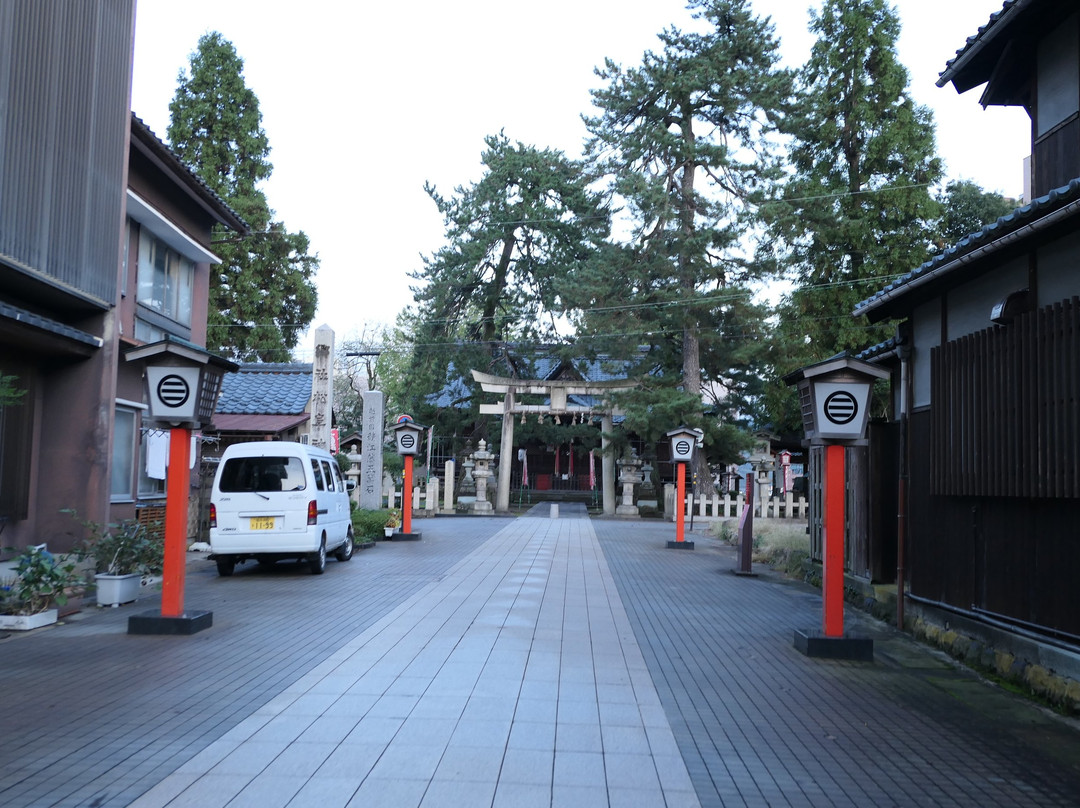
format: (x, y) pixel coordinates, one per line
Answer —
(213, 515)
(312, 513)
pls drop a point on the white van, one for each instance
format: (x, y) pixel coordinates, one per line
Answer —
(276, 500)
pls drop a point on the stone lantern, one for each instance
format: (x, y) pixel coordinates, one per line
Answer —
(629, 475)
(481, 474)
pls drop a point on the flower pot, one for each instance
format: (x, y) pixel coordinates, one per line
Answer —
(112, 590)
(25, 622)
(389, 531)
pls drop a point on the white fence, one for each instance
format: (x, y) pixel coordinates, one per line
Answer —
(730, 506)
(426, 502)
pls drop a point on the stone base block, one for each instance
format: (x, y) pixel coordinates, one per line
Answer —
(680, 545)
(156, 623)
(816, 644)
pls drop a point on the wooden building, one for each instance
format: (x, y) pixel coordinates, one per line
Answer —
(104, 244)
(986, 364)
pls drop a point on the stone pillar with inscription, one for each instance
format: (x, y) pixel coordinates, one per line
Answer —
(371, 468)
(322, 387)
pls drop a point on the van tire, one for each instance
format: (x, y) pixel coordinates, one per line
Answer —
(225, 567)
(345, 551)
(317, 560)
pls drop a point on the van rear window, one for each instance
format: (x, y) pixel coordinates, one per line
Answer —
(262, 474)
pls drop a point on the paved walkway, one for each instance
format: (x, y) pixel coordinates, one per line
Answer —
(501, 661)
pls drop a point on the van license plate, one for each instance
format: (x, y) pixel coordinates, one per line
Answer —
(262, 523)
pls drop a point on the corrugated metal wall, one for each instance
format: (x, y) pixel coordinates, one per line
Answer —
(64, 108)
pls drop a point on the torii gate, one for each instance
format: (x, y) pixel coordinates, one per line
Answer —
(558, 392)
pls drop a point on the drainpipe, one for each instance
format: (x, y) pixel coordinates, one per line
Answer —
(902, 483)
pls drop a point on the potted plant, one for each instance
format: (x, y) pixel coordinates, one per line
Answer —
(122, 554)
(393, 522)
(38, 583)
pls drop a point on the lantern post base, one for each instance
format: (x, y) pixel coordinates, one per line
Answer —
(680, 545)
(816, 644)
(156, 623)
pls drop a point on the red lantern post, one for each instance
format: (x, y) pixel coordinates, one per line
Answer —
(834, 396)
(182, 384)
(176, 520)
(683, 441)
(409, 436)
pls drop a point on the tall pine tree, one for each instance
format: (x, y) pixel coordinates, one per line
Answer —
(858, 207)
(515, 241)
(263, 294)
(685, 139)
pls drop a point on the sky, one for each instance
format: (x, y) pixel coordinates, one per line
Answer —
(364, 102)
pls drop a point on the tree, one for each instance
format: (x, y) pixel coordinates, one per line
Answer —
(857, 206)
(263, 295)
(364, 364)
(515, 241)
(685, 140)
(10, 393)
(965, 209)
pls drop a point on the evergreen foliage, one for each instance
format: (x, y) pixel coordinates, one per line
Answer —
(685, 139)
(856, 210)
(10, 393)
(857, 207)
(515, 242)
(262, 295)
(965, 209)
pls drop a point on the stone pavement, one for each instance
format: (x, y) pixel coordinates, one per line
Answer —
(503, 661)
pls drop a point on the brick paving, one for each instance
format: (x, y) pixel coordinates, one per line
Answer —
(514, 662)
(758, 723)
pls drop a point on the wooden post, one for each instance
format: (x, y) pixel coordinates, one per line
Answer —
(176, 519)
(832, 582)
(406, 497)
(680, 497)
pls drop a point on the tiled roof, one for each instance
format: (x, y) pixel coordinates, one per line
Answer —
(882, 348)
(14, 313)
(545, 367)
(241, 422)
(266, 389)
(975, 41)
(1065, 199)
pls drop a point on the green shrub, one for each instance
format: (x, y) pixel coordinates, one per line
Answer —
(369, 525)
(40, 581)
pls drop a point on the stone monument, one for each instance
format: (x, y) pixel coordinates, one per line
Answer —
(371, 466)
(322, 388)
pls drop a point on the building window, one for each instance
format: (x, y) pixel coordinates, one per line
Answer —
(123, 455)
(16, 428)
(130, 459)
(126, 257)
(153, 452)
(166, 279)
